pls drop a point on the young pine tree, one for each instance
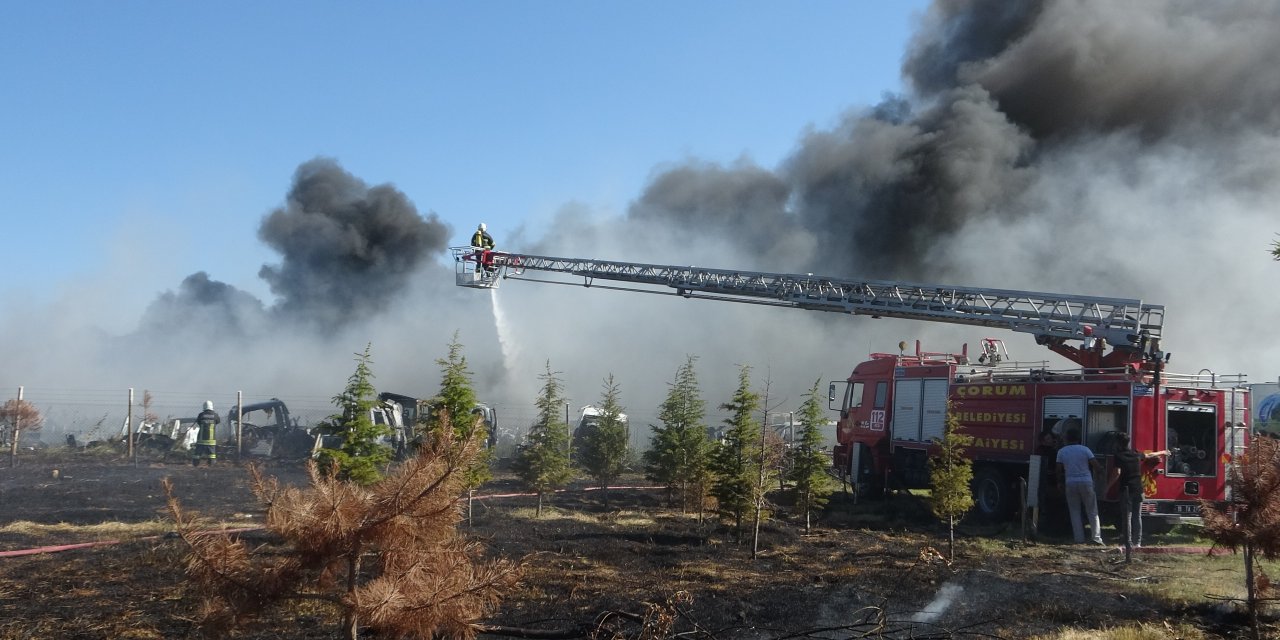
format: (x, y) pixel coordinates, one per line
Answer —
(808, 464)
(456, 396)
(735, 462)
(603, 452)
(361, 454)
(950, 473)
(679, 451)
(1252, 520)
(453, 405)
(543, 464)
(386, 556)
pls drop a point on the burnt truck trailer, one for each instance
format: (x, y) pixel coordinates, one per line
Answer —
(406, 415)
(894, 406)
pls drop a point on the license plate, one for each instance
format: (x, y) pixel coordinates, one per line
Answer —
(1187, 508)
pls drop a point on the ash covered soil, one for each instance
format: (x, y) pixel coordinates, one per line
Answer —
(865, 570)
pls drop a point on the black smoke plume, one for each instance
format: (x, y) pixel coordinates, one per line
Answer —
(203, 306)
(347, 252)
(1001, 93)
(347, 248)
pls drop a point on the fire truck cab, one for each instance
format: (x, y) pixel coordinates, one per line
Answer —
(895, 405)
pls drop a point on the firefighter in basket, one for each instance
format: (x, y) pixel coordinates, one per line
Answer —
(206, 446)
(483, 244)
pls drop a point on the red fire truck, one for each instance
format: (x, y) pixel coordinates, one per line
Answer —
(893, 406)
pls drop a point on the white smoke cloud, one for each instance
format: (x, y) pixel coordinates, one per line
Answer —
(1090, 147)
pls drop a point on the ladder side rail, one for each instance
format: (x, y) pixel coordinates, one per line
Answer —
(1029, 312)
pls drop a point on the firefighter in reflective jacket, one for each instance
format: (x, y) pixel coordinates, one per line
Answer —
(481, 238)
(206, 447)
(483, 243)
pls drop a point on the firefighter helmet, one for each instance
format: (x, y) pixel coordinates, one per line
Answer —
(208, 405)
(482, 227)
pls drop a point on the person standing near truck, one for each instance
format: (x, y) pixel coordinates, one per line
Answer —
(1076, 466)
(1129, 468)
(206, 446)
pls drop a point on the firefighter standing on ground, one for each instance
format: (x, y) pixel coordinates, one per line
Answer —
(206, 447)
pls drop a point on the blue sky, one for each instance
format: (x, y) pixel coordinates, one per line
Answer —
(158, 134)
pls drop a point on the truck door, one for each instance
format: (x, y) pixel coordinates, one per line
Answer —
(1103, 417)
(1061, 414)
(919, 409)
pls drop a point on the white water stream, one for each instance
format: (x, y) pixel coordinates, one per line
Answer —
(506, 335)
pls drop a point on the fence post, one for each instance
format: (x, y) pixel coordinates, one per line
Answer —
(17, 430)
(239, 428)
(132, 451)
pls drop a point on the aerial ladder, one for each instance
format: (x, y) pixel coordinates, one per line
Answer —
(1131, 328)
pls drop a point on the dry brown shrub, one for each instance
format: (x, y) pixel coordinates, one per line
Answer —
(387, 556)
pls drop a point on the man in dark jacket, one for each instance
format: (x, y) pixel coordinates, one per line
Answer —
(1129, 465)
(206, 446)
(483, 243)
(481, 238)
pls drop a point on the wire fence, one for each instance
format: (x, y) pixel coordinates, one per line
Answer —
(97, 414)
(89, 415)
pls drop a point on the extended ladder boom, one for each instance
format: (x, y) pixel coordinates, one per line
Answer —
(1130, 326)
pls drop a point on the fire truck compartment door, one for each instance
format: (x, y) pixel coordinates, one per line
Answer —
(919, 409)
(906, 409)
(1058, 410)
(934, 420)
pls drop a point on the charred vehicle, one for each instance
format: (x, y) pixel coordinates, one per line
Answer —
(268, 430)
(406, 415)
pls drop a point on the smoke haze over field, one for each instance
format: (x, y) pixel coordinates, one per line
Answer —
(1083, 146)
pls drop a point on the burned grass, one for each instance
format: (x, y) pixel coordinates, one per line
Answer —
(635, 568)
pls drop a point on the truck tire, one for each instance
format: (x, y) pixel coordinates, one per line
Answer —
(993, 498)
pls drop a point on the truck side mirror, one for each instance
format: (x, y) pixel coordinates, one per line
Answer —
(831, 396)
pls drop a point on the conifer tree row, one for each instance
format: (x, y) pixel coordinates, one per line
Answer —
(679, 450)
(359, 455)
(604, 448)
(543, 464)
(808, 462)
(735, 462)
(456, 397)
(950, 474)
(454, 404)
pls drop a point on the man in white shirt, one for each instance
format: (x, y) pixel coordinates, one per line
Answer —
(1076, 465)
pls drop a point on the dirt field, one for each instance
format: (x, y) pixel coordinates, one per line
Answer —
(868, 570)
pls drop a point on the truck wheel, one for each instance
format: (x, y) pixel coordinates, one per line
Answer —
(992, 497)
